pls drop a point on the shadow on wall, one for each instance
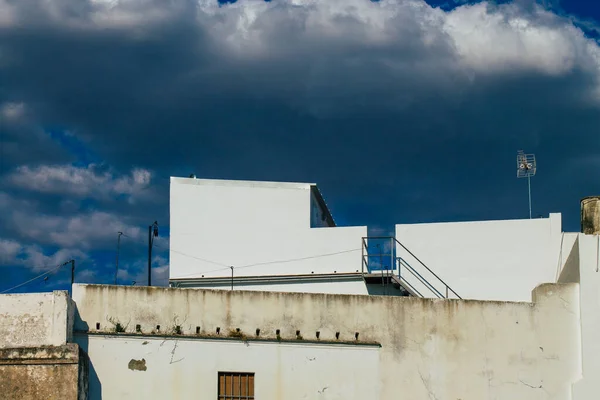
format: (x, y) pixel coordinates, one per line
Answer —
(94, 387)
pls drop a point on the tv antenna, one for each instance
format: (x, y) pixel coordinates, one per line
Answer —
(526, 168)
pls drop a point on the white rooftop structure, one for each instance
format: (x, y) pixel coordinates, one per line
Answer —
(484, 260)
(280, 235)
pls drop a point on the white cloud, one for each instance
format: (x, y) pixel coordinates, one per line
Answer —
(34, 257)
(137, 272)
(484, 36)
(11, 110)
(8, 250)
(495, 39)
(74, 229)
(86, 230)
(92, 181)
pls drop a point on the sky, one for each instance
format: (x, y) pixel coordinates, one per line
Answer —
(402, 111)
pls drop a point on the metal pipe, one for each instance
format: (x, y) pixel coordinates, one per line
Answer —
(363, 247)
(391, 254)
(118, 250)
(72, 273)
(150, 255)
(529, 188)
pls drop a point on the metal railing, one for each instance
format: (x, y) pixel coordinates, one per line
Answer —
(397, 265)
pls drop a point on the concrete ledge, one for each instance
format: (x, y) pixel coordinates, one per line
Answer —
(234, 337)
(67, 354)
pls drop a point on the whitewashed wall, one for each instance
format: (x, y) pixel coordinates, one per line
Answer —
(260, 228)
(35, 319)
(430, 349)
(188, 368)
(486, 260)
(588, 270)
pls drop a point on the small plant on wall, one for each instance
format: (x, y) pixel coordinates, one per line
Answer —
(117, 326)
(237, 333)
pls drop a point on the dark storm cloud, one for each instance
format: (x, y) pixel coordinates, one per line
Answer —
(400, 111)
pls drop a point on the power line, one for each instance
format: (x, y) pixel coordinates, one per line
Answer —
(273, 262)
(182, 253)
(37, 277)
(226, 266)
(298, 259)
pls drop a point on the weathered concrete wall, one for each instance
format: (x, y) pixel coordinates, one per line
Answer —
(35, 319)
(484, 260)
(48, 373)
(430, 349)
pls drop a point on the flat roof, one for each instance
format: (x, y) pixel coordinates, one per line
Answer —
(225, 182)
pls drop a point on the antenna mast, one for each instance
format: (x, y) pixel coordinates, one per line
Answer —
(526, 168)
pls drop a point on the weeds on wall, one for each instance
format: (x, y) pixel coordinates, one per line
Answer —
(118, 327)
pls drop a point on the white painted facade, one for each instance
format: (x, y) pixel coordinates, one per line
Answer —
(176, 341)
(281, 237)
(35, 319)
(583, 266)
(261, 229)
(484, 260)
(419, 348)
(186, 368)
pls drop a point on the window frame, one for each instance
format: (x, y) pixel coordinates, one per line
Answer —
(225, 393)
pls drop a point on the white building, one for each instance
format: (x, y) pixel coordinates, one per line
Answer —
(483, 260)
(282, 237)
(181, 343)
(276, 236)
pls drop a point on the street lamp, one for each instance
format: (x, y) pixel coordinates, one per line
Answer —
(152, 233)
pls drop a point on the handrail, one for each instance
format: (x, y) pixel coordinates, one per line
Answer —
(427, 268)
(423, 280)
(403, 282)
(365, 262)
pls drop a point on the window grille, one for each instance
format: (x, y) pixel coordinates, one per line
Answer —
(236, 386)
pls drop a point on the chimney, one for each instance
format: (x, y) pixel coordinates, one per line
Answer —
(590, 215)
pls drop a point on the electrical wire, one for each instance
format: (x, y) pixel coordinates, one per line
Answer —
(227, 267)
(297, 259)
(271, 262)
(182, 253)
(37, 277)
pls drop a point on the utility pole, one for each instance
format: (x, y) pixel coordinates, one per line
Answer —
(118, 250)
(72, 273)
(152, 233)
(231, 277)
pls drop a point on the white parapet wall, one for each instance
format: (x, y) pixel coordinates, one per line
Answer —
(172, 343)
(259, 228)
(484, 260)
(35, 319)
(584, 265)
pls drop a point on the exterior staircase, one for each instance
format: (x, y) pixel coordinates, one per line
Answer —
(385, 258)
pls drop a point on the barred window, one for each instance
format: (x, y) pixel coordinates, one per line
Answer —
(236, 386)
